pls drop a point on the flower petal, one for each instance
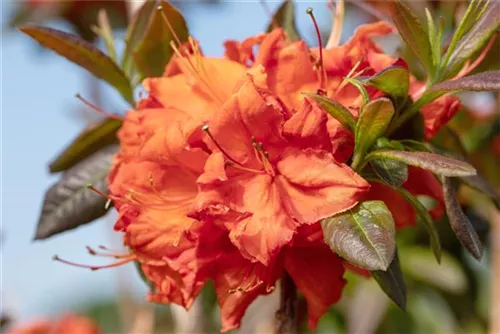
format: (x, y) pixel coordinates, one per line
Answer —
(317, 273)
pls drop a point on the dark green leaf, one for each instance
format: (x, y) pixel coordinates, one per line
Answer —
(285, 18)
(392, 282)
(135, 34)
(410, 125)
(426, 219)
(364, 235)
(436, 163)
(104, 30)
(336, 110)
(69, 203)
(395, 173)
(459, 222)
(393, 81)
(474, 40)
(479, 183)
(414, 35)
(373, 120)
(154, 51)
(83, 54)
(486, 81)
(88, 142)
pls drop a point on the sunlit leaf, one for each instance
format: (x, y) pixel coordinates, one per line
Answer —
(392, 282)
(83, 54)
(436, 163)
(373, 120)
(336, 110)
(486, 81)
(69, 203)
(414, 35)
(88, 142)
(154, 50)
(364, 235)
(285, 18)
(459, 222)
(393, 81)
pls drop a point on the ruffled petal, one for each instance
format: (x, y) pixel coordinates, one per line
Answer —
(317, 273)
(314, 186)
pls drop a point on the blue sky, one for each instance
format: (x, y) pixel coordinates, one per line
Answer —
(37, 100)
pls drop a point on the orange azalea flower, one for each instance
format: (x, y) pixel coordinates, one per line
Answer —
(67, 324)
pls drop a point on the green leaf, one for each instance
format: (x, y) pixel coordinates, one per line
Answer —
(435, 44)
(459, 222)
(88, 142)
(392, 282)
(154, 51)
(414, 35)
(135, 34)
(474, 40)
(485, 81)
(479, 183)
(393, 172)
(364, 235)
(438, 164)
(69, 203)
(447, 276)
(105, 32)
(394, 81)
(373, 120)
(408, 126)
(426, 219)
(285, 18)
(336, 110)
(83, 54)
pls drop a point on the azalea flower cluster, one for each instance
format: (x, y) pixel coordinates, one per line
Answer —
(226, 169)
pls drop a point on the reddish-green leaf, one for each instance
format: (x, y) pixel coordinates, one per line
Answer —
(486, 81)
(154, 51)
(83, 54)
(89, 141)
(373, 120)
(414, 35)
(336, 110)
(69, 203)
(364, 235)
(459, 222)
(394, 81)
(436, 163)
(285, 18)
(391, 281)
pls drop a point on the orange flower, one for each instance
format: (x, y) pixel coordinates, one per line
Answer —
(67, 324)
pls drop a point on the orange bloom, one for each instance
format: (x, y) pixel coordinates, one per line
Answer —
(67, 324)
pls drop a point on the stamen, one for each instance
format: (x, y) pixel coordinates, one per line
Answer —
(257, 171)
(98, 110)
(207, 131)
(309, 11)
(348, 76)
(263, 157)
(93, 252)
(93, 268)
(339, 20)
(247, 288)
(100, 193)
(172, 30)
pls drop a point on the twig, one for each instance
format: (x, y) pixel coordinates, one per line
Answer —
(286, 316)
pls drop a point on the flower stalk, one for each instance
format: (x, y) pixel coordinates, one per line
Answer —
(286, 316)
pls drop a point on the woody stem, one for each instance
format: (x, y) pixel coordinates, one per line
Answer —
(286, 316)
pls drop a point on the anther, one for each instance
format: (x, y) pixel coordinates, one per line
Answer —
(322, 76)
(99, 110)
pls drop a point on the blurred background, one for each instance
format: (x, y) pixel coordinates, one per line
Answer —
(40, 115)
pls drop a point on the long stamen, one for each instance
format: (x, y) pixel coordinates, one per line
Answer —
(94, 252)
(169, 25)
(263, 157)
(257, 171)
(309, 11)
(348, 76)
(99, 110)
(207, 131)
(93, 268)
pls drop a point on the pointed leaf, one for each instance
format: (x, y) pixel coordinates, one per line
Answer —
(69, 203)
(336, 110)
(154, 50)
(426, 219)
(135, 34)
(475, 39)
(83, 54)
(364, 235)
(485, 81)
(88, 142)
(436, 163)
(394, 81)
(285, 18)
(392, 282)
(105, 32)
(459, 222)
(395, 173)
(414, 35)
(373, 120)
(479, 183)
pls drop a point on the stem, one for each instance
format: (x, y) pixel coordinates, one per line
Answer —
(495, 272)
(286, 316)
